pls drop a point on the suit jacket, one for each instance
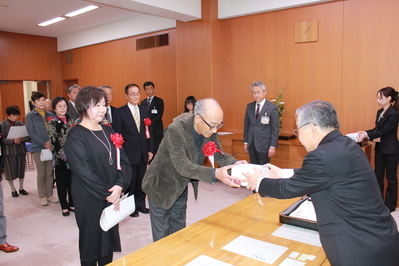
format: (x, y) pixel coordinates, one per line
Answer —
(355, 226)
(157, 125)
(71, 112)
(136, 144)
(174, 166)
(262, 135)
(386, 129)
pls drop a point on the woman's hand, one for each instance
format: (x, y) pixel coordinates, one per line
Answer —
(114, 198)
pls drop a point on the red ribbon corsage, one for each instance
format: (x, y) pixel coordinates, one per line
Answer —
(147, 122)
(209, 149)
(118, 141)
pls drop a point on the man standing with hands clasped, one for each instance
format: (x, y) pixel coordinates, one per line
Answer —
(355, 226)
(261, 126)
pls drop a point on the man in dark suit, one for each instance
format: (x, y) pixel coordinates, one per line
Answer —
(128, 120)
(179, 162)
(261, 126)
(355, 226)
(110, 109)
(72, 92)
(155, 106)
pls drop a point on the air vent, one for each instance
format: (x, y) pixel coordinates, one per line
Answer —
(152, 41)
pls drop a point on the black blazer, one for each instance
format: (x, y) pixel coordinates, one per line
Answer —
(386, 129)
(136, 144)
(355, 226)
(157, 125)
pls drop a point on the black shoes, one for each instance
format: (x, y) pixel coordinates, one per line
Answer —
(23, 192)
(65, 213)
(14, 194)
(135, 214)
(145, 210)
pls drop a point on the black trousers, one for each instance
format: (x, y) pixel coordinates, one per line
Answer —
(256, 157)
(63, 181)
(138, 172)
(387, 165)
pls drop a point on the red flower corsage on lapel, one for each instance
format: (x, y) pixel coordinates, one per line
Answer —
(209, 150)
(147, 122)
(118, 141)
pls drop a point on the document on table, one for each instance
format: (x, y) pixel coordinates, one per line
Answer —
(305, 211)
(248, 168)
(299, 234)
(207, 261)
(256, 249)
(17, 132)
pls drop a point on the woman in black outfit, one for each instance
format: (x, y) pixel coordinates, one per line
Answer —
(386, 147)
(96, 182)
(57, 130)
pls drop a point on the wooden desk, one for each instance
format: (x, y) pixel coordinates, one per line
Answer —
(253, 217)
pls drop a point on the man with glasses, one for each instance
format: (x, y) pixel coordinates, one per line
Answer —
(261, 126)
(180, 161)
(355, 226)
(128, 120)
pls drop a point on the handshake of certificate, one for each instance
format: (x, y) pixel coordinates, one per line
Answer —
(249, 174)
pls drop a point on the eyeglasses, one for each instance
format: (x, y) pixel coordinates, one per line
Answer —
(296, 132)
(212, 127)
(134, 94)
(257, 92)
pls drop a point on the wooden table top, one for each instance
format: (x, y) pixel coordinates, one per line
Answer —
(254, 217)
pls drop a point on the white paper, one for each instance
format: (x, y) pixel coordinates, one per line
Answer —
(291, 262)
(299, 234)
(225, 133)
(305, 211)
(109, 217)
(256, 249)
(248, 168)
(17, 132)
(207, 261)
(354, 136)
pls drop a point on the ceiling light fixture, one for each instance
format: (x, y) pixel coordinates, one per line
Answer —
(81, 11)
(51, 21)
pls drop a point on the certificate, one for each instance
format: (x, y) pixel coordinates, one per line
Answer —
(17, 132)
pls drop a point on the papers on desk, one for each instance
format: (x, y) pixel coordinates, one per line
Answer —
(305, 211)
(17, 132)
(256, 249)
(237, 171)
(299, 234)
(207, 261)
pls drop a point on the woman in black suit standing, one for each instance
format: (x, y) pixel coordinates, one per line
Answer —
(387, 147)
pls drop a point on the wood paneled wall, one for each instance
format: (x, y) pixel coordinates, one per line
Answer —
(355, 55)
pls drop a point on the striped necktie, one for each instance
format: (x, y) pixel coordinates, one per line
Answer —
(257, 111)
(148, 103)
(136, 117)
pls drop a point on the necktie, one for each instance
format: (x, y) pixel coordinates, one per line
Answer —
(108, 114)
(136, 118)
(148, 103)
(257, 111)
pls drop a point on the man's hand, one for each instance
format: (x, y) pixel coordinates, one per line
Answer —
(223, 176)
(252, 179)
(246, 148)
(271, 153)
(274, 171)
(240, 162)
(150, 156)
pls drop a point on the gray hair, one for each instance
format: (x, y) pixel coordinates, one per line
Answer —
(106, 87)
(258, 84)
(200, 106)
(319, 113)
(71, 87)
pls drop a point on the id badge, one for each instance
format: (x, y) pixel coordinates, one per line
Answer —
(265, 120)
(154, 111)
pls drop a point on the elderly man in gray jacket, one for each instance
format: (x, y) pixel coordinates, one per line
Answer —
(180, 161)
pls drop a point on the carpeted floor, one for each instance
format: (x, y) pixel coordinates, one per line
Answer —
(45, 237)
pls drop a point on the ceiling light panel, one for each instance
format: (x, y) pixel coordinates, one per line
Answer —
(51, 21)
(81, 11)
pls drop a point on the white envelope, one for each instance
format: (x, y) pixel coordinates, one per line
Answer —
(109, 217)
(46, 155)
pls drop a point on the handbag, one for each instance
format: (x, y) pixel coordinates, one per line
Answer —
(109, 217)
(46, 155)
